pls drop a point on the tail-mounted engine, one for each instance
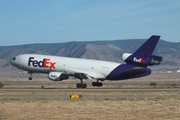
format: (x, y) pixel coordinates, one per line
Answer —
(146, 60)
(57, 76)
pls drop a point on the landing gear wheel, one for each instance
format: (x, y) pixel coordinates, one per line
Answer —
(84, 85)
(30, 78)
(97, 84)
(80, 85)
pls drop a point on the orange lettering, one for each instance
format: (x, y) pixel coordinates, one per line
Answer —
(52, 65)
(45, 63)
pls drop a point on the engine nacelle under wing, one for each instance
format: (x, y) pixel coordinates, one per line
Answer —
(57, 76)
(147, 60)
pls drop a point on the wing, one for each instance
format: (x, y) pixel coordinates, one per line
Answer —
(83, 74)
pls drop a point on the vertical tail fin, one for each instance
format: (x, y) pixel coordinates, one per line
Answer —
(143, 56)
(148, 47)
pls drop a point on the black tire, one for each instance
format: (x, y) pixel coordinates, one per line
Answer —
(100, 84)
(84, 85)
(97, 84)
(78, 85)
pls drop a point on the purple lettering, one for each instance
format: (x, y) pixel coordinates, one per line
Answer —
(35, 63)
(41, 63)
(29, 62)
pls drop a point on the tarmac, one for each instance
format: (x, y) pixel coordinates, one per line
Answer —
(90, 96)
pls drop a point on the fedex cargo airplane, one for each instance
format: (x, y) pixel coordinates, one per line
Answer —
(61, 68)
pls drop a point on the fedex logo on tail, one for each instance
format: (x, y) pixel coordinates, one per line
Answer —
(45, 63)
(140, 60)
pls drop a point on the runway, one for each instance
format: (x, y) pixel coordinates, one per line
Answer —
(95, 89)
(91, 90)
(84, 96)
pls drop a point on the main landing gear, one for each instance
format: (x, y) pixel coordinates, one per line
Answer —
(81, 85)
(98, 84)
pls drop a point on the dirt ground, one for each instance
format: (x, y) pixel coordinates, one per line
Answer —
(165, 106)
(154, 108)
(91, 109)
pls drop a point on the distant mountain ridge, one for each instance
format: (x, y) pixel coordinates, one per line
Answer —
(100, 50)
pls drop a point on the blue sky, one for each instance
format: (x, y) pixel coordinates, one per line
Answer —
(56, 21)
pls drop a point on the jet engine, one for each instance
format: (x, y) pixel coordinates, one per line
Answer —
(57, 76)
(146, 60)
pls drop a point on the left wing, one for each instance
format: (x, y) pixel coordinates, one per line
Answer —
(83, 74)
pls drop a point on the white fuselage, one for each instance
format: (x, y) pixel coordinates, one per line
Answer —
(45, 63)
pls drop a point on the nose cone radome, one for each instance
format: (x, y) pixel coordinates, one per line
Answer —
(18, 61)
(13, 60)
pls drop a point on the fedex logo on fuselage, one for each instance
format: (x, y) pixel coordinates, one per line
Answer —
(140, 60)
(45, 63)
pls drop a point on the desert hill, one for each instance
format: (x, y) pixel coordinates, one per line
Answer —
(101, 50)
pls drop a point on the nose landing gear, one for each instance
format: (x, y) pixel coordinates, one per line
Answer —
(30, 77)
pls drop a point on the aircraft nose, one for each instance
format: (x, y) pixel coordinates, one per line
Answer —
(12, 60)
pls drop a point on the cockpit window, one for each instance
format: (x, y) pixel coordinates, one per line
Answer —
(14, 58)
